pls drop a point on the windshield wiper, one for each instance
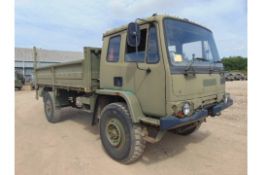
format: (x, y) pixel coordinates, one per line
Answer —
(211, 70)
(217, 61)
(215, 70)
(189, 66)
(201, 59)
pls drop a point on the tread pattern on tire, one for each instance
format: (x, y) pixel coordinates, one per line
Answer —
(56, 116)
(139, 145)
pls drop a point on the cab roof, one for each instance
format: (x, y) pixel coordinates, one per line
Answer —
(152, 18)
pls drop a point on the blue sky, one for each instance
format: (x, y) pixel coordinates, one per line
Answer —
(70, 25)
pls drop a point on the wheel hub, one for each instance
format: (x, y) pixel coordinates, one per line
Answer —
(114, 132)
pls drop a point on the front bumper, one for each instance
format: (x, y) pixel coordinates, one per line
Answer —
(171, 122)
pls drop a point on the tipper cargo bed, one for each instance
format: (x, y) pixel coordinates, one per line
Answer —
(81, 75)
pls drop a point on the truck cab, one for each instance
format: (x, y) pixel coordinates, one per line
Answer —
(173, 71)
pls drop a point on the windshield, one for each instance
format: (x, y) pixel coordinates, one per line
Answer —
(187, 43)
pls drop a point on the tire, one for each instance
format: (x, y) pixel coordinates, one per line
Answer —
(52, 112)
(187, 129)
(121, 139)
(18, 88)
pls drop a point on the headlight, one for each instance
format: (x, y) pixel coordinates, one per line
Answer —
(186, 109)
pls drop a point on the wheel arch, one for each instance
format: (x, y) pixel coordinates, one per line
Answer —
(42, 90)
(128, 97)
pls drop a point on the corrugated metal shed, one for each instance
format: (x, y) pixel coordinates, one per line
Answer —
(26, 54)
(24, 61)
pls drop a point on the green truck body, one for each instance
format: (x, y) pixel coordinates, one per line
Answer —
(19, 80)
(143, 77)
(82, 75)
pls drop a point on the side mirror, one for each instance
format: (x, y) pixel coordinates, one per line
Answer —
(133, 34)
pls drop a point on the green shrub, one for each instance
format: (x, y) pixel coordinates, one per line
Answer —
(237, 63)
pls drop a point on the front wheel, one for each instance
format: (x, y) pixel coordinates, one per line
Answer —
(121, 139)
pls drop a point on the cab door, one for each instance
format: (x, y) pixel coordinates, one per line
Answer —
(148, 73)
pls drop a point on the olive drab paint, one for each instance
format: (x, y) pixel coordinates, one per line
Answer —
(152, 92)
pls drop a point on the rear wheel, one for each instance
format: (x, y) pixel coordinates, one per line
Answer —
(32, 87)
(121, 139)
(18, 88)
(52, 112)
(187, 129)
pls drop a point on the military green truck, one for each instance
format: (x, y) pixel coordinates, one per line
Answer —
(229, 76)
(238, 76)
(151, 76)
(19, 80)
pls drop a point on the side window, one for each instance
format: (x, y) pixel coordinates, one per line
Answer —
(113, 49)
(152, 47)
(131, 54)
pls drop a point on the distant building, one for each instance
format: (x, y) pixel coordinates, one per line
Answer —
(24, 61)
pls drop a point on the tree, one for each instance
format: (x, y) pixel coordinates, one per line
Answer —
(235, 63)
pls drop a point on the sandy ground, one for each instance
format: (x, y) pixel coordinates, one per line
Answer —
(73, 147)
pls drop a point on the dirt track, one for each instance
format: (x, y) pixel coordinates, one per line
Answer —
(73, 147)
